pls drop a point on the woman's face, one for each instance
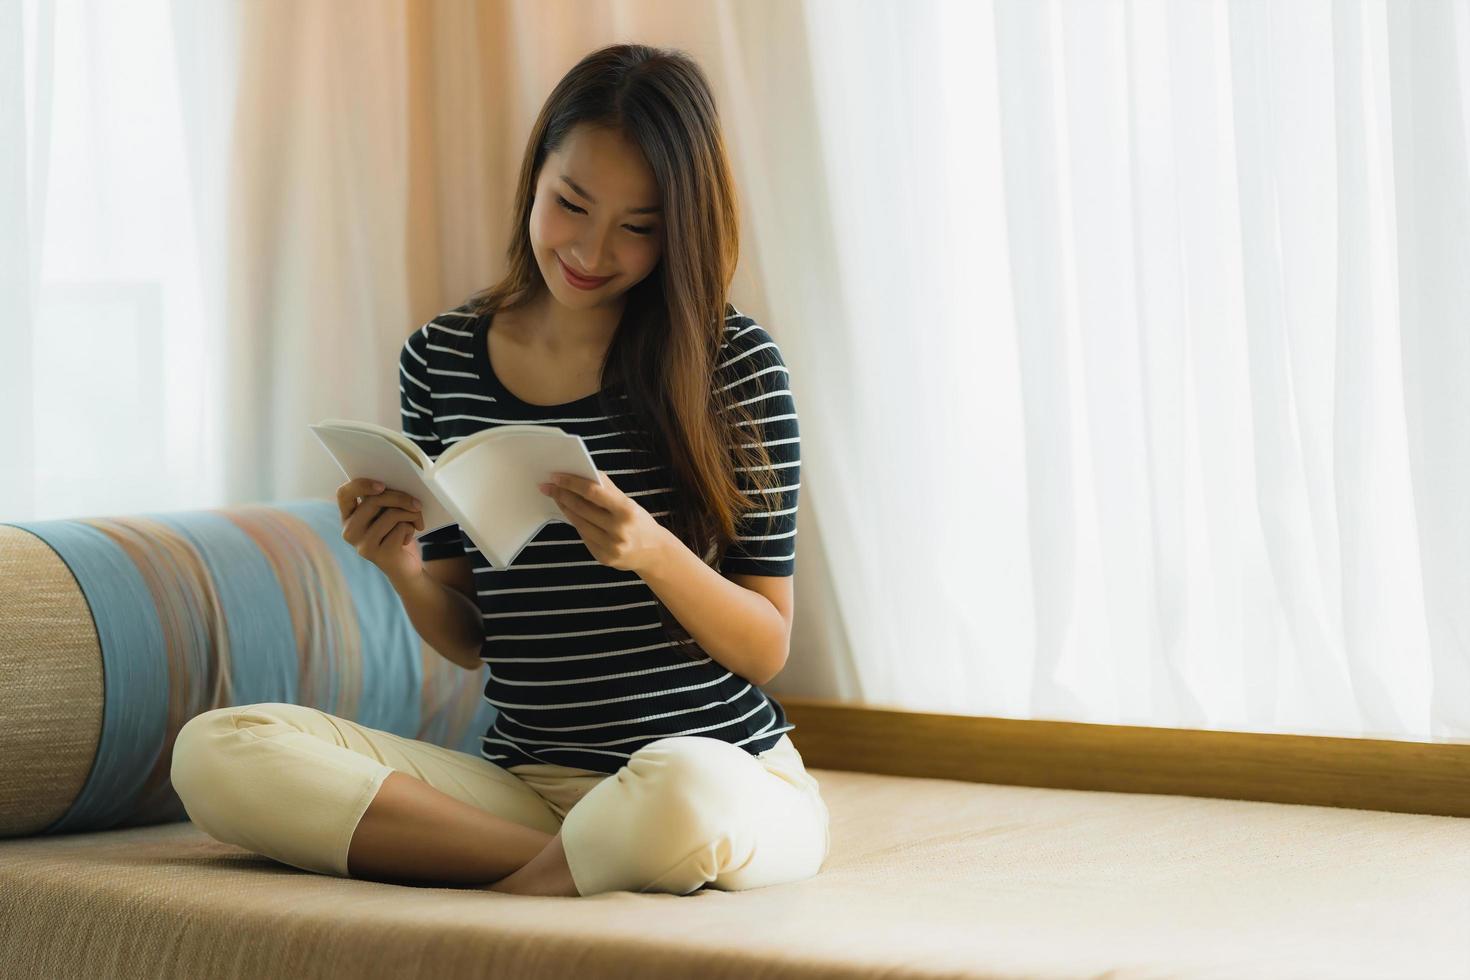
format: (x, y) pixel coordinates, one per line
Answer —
(603, 235)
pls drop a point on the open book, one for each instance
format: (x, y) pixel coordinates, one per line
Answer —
(486, 483)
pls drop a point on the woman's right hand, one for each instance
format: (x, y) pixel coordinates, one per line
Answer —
(380, 524)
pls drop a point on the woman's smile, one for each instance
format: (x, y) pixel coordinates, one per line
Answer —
(578, 280)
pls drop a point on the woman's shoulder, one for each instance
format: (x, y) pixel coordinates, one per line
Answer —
(449, 332)
(743, 333)
(747, 343)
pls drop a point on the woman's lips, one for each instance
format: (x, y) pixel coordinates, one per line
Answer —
(578, 280)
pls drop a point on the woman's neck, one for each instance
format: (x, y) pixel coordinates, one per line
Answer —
(557, 329)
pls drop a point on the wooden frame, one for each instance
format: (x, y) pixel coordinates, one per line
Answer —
(1430, 777)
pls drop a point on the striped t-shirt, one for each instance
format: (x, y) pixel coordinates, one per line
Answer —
(581, 672)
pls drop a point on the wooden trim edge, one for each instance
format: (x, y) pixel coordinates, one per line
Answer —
(1428, 777)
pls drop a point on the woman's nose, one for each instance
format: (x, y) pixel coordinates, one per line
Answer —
(589, 256)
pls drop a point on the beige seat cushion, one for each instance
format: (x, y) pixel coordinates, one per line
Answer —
(927, 877)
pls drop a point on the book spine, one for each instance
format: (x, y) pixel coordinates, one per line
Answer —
(459, 518)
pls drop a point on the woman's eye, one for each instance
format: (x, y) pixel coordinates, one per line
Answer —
(636, 229)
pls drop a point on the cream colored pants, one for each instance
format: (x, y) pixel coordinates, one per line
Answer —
(292, 782)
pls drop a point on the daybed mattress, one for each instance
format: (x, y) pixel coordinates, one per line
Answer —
(927, 878)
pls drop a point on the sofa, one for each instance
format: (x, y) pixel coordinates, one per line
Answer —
(115, 631)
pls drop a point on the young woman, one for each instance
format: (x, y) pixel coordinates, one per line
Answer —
(633, 748)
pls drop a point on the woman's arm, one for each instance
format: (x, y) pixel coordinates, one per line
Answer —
(447, 619)
(737, 626)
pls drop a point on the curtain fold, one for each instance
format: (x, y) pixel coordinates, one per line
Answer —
(1428, 70)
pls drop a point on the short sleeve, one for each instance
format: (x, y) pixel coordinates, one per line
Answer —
(765, 542)
(415, 406)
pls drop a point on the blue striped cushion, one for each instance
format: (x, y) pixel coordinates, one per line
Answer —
(197, 610)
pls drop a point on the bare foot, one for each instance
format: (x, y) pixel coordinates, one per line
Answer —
(546, 874)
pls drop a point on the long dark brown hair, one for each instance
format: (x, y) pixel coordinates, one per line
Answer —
(664, 353)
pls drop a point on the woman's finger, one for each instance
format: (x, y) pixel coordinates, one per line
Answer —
(570, 502)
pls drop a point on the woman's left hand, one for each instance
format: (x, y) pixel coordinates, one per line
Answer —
(615, 527)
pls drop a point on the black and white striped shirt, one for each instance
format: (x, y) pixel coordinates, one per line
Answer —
(581, 671)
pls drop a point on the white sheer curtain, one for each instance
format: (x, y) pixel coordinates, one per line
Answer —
(111, 176)
(1160, 325)
(1129, 337)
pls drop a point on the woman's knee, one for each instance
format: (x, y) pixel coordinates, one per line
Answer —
(193, 747)
(200, 748)
(701, 780)
(196, 768)
(684, 810)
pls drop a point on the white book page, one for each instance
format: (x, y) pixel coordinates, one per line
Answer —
(363, 454)
(494, 485)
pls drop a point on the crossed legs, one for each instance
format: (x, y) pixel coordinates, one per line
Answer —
(285, 780)
(412, 833)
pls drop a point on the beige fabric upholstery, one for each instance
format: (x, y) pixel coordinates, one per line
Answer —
(51, 698)
(926, 878)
